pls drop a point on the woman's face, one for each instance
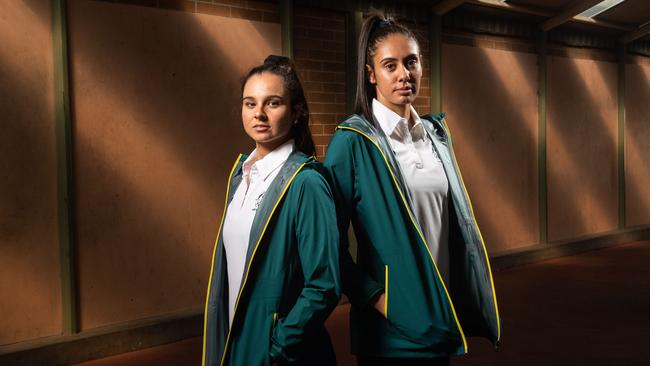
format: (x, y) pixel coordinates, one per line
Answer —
(396, 71)
(266, 110)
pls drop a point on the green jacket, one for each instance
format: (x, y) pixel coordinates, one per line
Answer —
(291, 280)
(424, 317)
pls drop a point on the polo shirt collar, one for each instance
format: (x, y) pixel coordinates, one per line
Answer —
(268, 164)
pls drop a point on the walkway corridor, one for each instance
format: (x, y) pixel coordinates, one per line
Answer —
(589, 309)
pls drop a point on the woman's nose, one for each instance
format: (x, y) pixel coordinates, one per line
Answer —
(259, 114)
(404, 73)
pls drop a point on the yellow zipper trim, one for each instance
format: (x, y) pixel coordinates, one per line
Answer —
(487, 259)
(214, 251)
(241, 289)
(408, 210)
(275, 319)
(386, 293)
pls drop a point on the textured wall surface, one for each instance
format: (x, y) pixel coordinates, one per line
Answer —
(489, 96)
(29, 269)
(637, 144)
(582, 132)
(158, 127)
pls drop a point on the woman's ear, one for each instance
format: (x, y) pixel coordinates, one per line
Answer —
(371, 75)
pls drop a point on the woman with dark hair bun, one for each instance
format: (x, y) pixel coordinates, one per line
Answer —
(275, 267)
(422, 280)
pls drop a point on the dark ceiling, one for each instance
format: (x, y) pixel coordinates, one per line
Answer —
(629, 18)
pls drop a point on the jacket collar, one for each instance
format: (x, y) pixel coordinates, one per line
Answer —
(268, 164)
(432, 124)
(377, 136)
(395, 126)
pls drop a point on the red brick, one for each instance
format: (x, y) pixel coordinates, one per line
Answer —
(316, 129)
(263, 5)
(246, 14)
(324, 76)
(337, 44)
(299, 31)
(320, 34)
(182, 5)
(321, 97)
(336, 24)
(306, 43)
(301, 20)
(330, 128)
(324, 119)
(323, 107)
(334, 66)
(239, 3)
(334, 88)
(213, 9)
(312, 86)
(149, 3)
(322, 140)
(309, 65)
(270, 17)
(327, 55)
(305, 11)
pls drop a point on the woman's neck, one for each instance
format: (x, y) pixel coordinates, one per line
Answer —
(264, 148)
(403, 110)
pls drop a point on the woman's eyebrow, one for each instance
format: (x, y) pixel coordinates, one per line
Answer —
(388, 59)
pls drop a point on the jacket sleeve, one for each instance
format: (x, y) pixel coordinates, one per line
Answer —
(317, 244)
(339, 163)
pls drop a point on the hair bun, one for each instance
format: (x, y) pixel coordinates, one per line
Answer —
(276, 60)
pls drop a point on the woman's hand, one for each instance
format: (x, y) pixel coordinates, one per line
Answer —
(379, 303)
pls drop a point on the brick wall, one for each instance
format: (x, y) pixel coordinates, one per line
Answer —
(319, 54)
(265, 11)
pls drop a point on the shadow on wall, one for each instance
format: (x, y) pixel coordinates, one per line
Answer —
(156, 99)
(489, 147)
(582, 168)
(29, 270)
(637, 148)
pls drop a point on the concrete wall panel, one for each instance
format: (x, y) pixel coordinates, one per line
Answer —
(29, 268)
(637, 143)
(489, 96)
(157, 128)
(582, 131)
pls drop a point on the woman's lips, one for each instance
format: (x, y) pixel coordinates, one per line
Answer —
(261, 128)
(404, 91)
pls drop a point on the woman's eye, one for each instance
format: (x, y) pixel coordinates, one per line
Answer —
(412, 63)
(390, 67)
(274, 103)
(249, 104)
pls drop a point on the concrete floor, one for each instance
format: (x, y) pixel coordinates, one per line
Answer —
(588, 309)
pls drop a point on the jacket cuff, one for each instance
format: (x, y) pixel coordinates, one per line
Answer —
(277, 355)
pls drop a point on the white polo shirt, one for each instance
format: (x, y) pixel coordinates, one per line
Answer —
(257, 177)
(425, 177)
